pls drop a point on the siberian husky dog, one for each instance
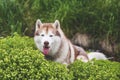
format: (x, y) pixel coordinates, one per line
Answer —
(52, 42)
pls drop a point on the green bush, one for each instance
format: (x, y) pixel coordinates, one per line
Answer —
(19, 60)
(95, 70)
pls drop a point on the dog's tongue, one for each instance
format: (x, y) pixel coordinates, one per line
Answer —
(45, 51)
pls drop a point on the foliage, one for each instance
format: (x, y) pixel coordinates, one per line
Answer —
(95, 70)
(95, 17)
(19, 59)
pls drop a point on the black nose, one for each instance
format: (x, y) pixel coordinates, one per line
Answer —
(46, 43)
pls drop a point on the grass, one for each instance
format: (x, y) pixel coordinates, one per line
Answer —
(94, 17)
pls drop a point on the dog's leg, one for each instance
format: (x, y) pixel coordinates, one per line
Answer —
(82, 55)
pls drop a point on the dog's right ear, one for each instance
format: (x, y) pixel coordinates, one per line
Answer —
(38, 24)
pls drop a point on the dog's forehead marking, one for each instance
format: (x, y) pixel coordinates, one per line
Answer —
(47, 27)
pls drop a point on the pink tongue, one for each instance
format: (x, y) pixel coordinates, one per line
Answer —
(45, 51)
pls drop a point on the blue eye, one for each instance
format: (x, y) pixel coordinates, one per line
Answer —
(51, 35)
(42, 34)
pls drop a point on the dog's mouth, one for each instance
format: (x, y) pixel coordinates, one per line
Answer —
(46, 50)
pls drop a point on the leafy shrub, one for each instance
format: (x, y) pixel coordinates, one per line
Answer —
(95, 70)
(19, 59)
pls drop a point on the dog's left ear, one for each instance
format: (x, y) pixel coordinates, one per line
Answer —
(56, 24)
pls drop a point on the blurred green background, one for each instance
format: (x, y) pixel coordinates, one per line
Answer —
(98, 18)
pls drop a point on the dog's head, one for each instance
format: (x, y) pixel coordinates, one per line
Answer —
(47, 36)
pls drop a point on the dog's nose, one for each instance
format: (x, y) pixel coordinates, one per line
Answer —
(46, 43)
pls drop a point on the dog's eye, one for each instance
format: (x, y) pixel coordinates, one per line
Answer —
(42, 34)
(51, 35)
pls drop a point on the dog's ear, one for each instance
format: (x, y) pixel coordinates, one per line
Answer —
(56, 24)
(38, 24)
